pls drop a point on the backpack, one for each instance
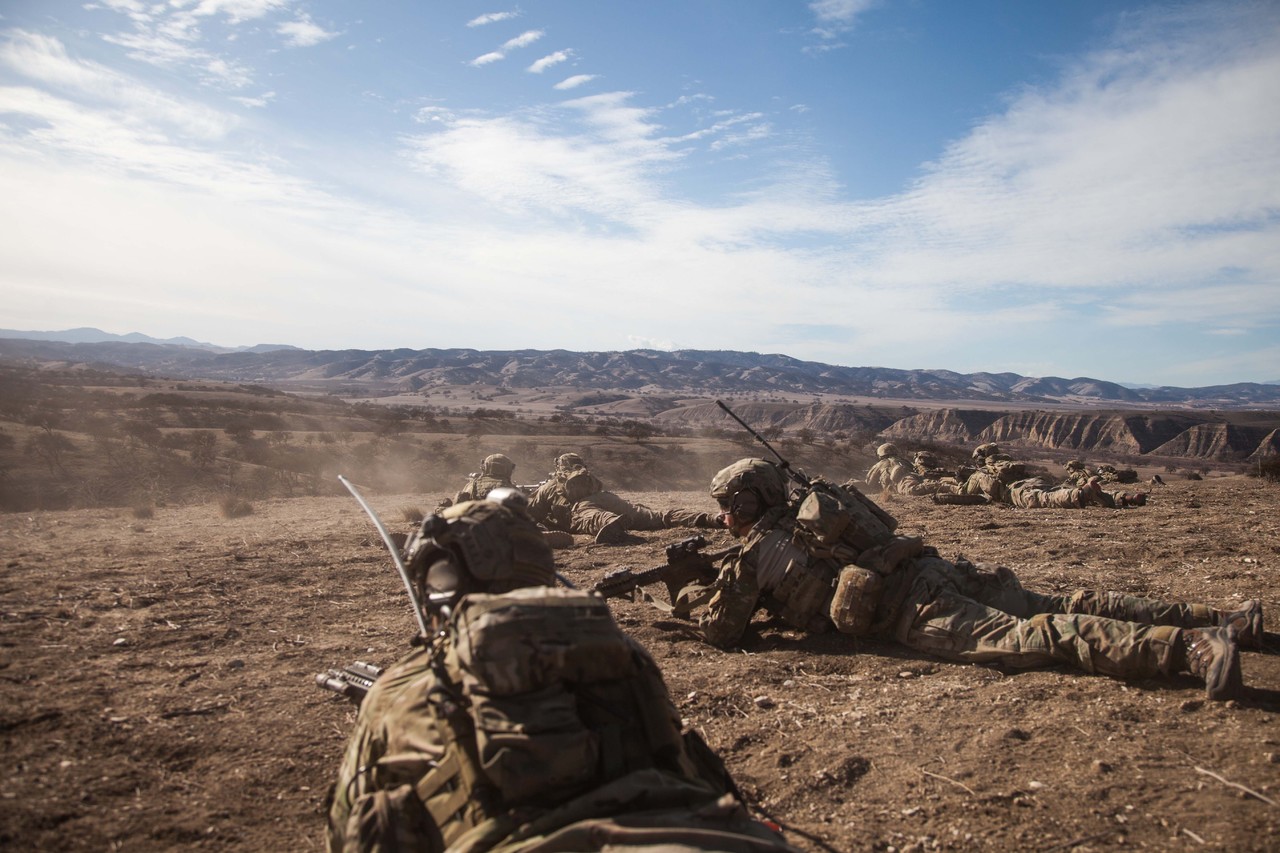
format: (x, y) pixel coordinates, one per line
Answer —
(843, 528)
(547, 699)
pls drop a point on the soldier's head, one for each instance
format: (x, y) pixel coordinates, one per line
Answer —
(746, 489)
(569, 462)
(490, 545)
(925, 459)
(1075, 465)
(884, 451)
(498, 465)
(982, 451)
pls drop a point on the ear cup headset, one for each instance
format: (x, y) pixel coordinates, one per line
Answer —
(745, 505)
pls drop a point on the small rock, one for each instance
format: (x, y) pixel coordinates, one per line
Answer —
(1036, 786)
(906, 673)
(120, 641)
(1100, 766)
(692, 696)
(235, 664)
(763, 702)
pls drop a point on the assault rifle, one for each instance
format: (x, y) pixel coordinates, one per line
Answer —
(686, 563)
(352, 681)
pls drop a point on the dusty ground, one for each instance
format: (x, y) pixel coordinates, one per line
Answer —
(156, 677)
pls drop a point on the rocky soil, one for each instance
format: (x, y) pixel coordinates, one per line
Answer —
(157, 684)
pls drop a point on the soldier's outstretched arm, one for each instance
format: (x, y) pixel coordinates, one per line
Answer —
(730, 610)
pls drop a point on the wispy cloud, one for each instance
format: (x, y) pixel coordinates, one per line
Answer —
(839, 12)
(523, 40)
(835, 19)
(491, 18)
(235, 11)
(575, 81)
(169, 34)
(549, 60)
(44, 59)
(258, 102)
(304, 32)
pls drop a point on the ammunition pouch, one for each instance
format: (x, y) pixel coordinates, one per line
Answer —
(853, 607)
(860, 587)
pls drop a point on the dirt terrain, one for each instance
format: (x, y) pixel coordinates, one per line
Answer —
(157, 683)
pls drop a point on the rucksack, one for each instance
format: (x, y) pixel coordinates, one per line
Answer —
(547, 699)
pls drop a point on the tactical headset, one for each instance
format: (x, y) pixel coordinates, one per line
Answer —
(745, 505)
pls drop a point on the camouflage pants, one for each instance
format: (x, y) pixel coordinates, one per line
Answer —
(390, 722)
(961, 613)
(1034, 497)
(913, 485)
(593, 513)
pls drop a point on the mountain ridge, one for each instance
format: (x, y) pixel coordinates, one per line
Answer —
(406, 370)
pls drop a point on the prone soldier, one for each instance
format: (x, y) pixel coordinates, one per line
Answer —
(797, 549)
(526, 718)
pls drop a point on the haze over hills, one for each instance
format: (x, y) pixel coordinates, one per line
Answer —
(90, 335)
(675, 392)
(406, 371)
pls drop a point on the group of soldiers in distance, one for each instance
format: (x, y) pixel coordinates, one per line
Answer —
(527, 720)
(995, 477)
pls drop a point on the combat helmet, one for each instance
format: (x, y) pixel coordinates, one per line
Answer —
(748, 487)
(984, 450)
(886, 450)
(569, 462)
(489, 545)
(498, 465)
(926, 459)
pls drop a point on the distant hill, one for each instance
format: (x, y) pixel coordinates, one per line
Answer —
(89, 335)
(636, 372)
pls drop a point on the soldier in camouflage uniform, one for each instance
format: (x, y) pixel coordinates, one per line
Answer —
(1078, 475)
(528, 720)
(999, 479)
(794, 554)
(575, 501)
(495, 473)
(891, 473)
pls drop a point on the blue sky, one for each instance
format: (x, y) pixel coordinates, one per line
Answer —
(1067, 189)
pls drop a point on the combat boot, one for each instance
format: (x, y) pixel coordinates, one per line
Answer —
(613, 533)
(1246, 622)
(1211, 654)
(1129, 499)
(1091, 493)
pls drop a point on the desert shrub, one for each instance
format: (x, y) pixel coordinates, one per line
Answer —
(1191, 475)
(412, 514)
(235, 507)
(1268, 468)
(143, 511)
